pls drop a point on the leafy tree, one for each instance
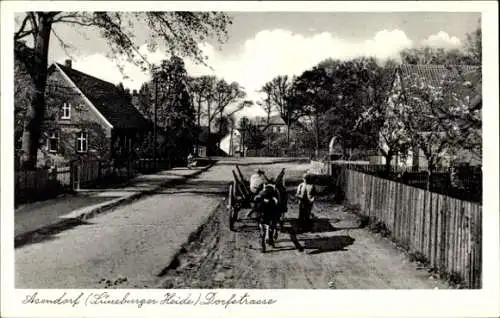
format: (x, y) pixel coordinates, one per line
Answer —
(24, 92)
(224, 126)
(253, 137)
(415, 105)
(180, 31)
(175, 113)
(474, 47)
(312, 89)
(456, 106)
(355, 84)
(384, 114)
(146, 99)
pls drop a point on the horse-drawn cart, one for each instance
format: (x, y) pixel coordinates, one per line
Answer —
(240, 197)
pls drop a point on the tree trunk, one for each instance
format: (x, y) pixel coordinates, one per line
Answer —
(35, 113)
(388, 159)
(220, 129)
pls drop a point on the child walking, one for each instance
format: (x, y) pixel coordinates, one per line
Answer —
(306, 193)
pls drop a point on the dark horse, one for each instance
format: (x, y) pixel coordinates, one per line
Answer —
(271, 205)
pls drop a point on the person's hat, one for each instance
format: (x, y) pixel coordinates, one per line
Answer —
(260, 171)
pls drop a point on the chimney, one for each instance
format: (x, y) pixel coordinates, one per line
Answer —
(67, 63)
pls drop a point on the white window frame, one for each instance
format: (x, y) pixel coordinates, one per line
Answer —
(66, 107)
(53, 135)
(81, 137)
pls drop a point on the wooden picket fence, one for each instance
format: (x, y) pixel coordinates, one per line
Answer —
(446, 231)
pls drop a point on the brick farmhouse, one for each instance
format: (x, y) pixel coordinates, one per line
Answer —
(88, 118)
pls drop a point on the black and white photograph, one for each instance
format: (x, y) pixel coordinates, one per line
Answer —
(212, 149)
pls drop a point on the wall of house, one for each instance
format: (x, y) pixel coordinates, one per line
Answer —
(82, 117)
(278, 129)
(225, 143)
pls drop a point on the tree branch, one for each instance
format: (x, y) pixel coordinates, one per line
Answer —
(34, 23)
(21, 33)
(62, 43)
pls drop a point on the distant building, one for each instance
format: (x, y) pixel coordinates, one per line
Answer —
(275, 125)
(272, 129)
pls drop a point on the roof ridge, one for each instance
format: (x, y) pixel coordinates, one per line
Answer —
(64, 67)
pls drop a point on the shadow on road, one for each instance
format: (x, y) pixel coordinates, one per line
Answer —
(318, 245)
(47, 234)
(261, 163)
(328, 244)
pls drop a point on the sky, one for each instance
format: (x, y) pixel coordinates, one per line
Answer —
(263, 45)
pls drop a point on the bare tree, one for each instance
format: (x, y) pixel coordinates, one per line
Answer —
(268, 108)
(226, 94)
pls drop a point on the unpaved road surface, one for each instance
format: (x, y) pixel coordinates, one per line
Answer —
(336, 254)
(139, 246)
(126, 247)
(131, 245)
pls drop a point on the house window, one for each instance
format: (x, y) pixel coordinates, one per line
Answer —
(66, 111)
(53, 142)
(82, 142)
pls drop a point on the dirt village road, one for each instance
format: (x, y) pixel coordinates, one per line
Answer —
(139, 246)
